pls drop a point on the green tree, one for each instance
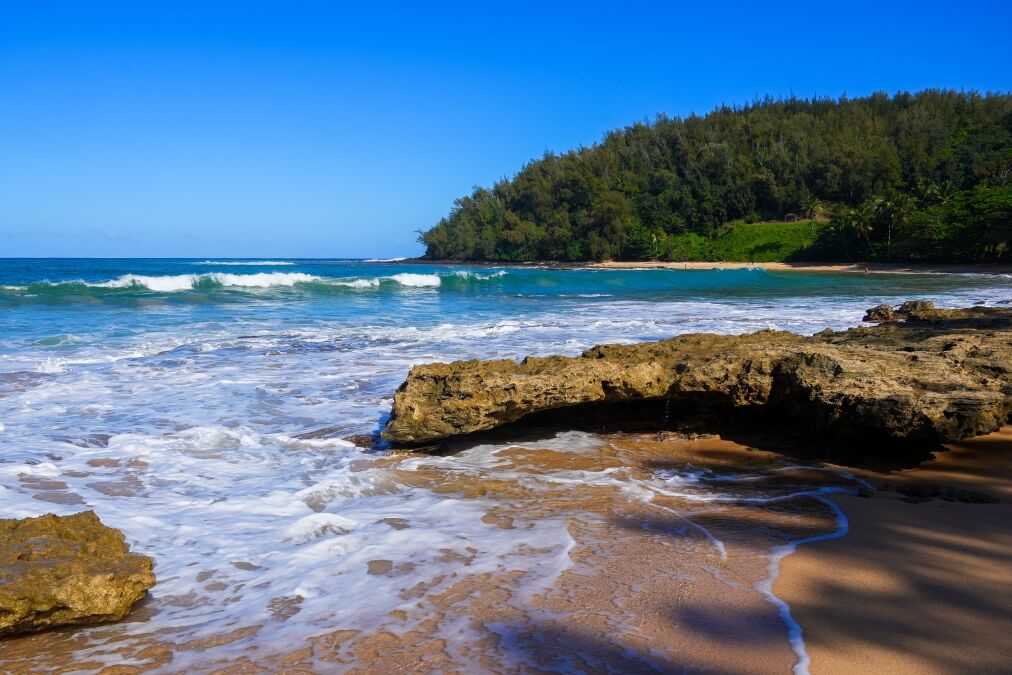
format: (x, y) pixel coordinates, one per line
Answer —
(899, 174)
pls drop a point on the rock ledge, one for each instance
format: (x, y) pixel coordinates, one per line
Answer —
(937, 375)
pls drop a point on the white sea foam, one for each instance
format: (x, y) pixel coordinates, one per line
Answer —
(413, 280)
(466, 274)
(317, 525)
(357, 283)
(52, 366)
(256, 515)
(181, 282)
(416, 280)
(795, 634)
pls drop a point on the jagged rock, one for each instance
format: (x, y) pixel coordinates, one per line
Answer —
(915, 306)
(59, 570)
(880, 313)
(940, 375)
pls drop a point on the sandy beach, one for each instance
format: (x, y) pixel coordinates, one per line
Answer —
(857, 268)
(881, 268)
(922, 583)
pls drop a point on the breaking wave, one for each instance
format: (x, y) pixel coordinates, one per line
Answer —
(130, 285)
(183, 282)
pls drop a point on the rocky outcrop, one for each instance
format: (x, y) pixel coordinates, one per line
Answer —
(60, 570)
(938, 375)
(881, 313)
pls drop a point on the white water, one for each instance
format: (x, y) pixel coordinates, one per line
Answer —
(187, 282)
(181, 282)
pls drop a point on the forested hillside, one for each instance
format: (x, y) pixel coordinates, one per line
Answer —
(911, 177)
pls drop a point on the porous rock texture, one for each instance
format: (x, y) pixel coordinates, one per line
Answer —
(60, 570)
(938, 375)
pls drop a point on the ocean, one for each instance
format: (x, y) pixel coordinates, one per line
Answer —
(214, 410)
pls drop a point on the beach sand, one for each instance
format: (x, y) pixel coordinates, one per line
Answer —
(923, 581)
(921, 584)
(881, 268)
(858, 268)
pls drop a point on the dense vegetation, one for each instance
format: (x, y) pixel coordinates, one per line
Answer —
(924, 176)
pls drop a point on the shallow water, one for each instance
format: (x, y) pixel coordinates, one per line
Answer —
(201, 407)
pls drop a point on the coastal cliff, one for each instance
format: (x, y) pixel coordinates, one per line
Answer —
(921, 374)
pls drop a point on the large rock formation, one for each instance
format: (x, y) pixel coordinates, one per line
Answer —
(59, 570)
(938, 375)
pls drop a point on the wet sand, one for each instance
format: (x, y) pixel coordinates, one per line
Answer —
(923, 581)
(658, 576)
(645, 590)
(654, 578)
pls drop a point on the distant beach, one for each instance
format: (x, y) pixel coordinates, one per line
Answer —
(829, 267)
(881, 268)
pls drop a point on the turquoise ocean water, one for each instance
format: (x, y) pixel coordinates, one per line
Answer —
(201, 406)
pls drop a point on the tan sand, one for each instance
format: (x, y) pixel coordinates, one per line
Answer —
(915, 587)
(881, 268)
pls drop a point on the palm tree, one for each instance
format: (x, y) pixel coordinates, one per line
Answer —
(854, 224)
(812, 208)
(946, 191)
(893, 209)
(865, 225)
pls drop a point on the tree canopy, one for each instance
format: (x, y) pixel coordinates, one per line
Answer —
(922, 176)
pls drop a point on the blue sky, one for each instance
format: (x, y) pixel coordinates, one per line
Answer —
(309, 129)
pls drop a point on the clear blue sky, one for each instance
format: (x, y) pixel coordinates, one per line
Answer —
(305, 129)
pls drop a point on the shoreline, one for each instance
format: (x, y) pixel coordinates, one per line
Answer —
(855, 268)
(862, 268)
(927, 569)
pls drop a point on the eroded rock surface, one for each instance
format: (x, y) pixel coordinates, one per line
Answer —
(59, 570)
(938, 375)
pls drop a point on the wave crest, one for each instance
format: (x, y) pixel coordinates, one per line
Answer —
(184, 282)
(478, 276)
(127, 284)
(417, 280)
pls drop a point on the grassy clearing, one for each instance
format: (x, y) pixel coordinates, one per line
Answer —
(747, 242)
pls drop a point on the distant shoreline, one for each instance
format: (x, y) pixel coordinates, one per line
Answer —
(870, 268)
(879, 268)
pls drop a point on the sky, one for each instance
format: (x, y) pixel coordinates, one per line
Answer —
(314, 129)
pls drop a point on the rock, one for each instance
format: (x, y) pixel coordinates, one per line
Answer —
(880, 313)
(60, 570)
(941, 375)
(915, 306)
